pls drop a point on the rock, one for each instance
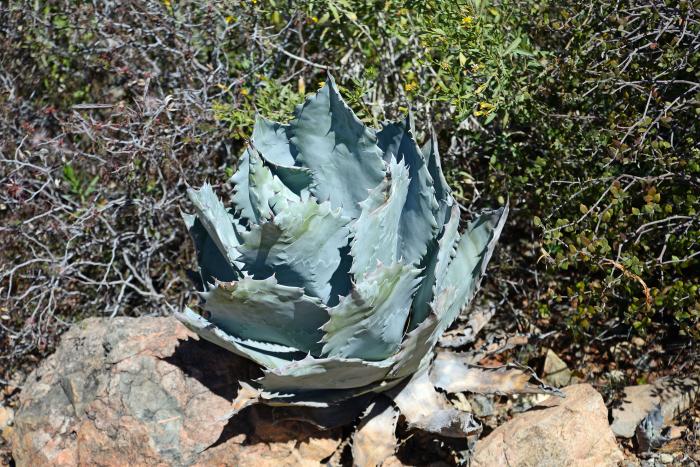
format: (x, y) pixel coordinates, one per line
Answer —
(675, 432)
(666, 458)
(638, 341)
(558, 432)
(555, 371)
(135, 391)
(7, 416)
(671, 395)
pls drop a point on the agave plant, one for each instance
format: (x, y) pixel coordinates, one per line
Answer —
(337, 267)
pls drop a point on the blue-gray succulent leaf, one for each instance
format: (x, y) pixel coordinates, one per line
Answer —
(264, 188)
(340, 263)
(300, 244)
(418, 225)
(389, 139)
(369, 323)
(256, 184)
(341, 280)
(376, 231)
(443, 194)
(213, 265)
(416, 350)
(297, 179)
(435, 262)
(263, 310)
(465, 271)
(263, 353)
(460, 264)
(219, 224)
(448, 247)
(242, 204)
(316, 374)
(271, 139)
(340, 151)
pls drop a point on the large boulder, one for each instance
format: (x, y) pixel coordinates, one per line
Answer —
(141, 391)
(570, 431)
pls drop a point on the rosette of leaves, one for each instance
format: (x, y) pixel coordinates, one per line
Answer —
(336, 267)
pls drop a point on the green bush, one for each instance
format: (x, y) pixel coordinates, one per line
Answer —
(606, 160)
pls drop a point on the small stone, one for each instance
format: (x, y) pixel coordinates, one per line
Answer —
(7, 416)
(675, 432)
(561, 431)
(555, 371)
(638, 341)
(666, 458)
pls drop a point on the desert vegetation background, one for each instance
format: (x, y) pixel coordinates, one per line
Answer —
(583, 116)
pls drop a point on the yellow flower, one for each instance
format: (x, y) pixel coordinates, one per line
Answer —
(410, 87)
(229, 19)
(321, 84)
(244, 92)
(314, 19)
(485, 108)
(467, 20)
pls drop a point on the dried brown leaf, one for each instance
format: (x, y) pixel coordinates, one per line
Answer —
(427, 409)
(453, 373)
(375, 438)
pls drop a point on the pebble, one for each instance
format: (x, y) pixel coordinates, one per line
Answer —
(7, 416)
